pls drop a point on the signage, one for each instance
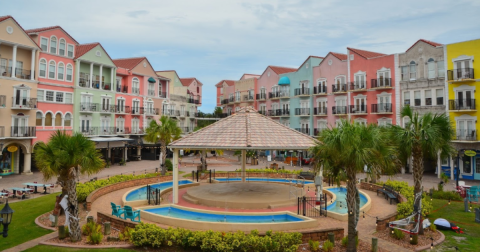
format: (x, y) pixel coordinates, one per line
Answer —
(470, 153)
(12, 148)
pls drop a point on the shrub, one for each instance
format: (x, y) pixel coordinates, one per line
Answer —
(405, 209)
(272, 171)
(93, 231)
(345, 241)
(314, 245)
(126, 235)
(446, 195)
(433, 228)
(397, 234)
(95, 238)
(169, 165)
(89, 228)
(327, 246)
(67, 232)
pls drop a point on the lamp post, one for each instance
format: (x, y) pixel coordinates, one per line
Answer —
(6, 218)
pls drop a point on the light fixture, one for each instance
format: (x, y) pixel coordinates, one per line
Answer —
(411, 237)
(449, 202)
(6, 218)
(392, 231)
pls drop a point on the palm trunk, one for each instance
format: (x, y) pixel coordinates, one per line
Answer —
(162, 160)
(351, 203)
(71, 186)
(417, 176)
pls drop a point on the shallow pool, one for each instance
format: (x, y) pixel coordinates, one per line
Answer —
(340, 205)
(171, 211)
(141, 193)
(282, 180)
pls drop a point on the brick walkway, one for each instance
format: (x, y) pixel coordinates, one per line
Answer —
(32, 243)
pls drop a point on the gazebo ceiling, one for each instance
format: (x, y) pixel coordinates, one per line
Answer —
(246, 129)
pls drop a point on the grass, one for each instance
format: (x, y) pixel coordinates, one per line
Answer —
(23, 227)
(455, 213)
(44, 248)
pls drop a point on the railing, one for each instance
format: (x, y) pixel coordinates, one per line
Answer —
(2, 131)
(103, 131)
(83, 82)
(357, 109)
(262, 112)
(106, 86)
(460, 74)
(137, 110)
(89, 107)
(357, 85)
(339, 110)
(122, 109)
(337, 88)
(381, 83)
(137, 131)
(25, 131)
(302, 111)
(151, 111)
(317, 131)
(182, 113)
(122, 131)
(89, 131)
(465, 104)
(224, 101)
(278, 94)
(320, 89)
(185, 129)
(320, 111)
(135, 90)
(96, 84)
(24, 103)
(22, 73)
(3, 101)
(261, 96)
(303, 130)
(248, 97)
(168, 112)
(108, 108)
(466, 135)
(382, 108)
(162, 94)
(231, 99)
(151, 92)
(279, 112)
(302, 91)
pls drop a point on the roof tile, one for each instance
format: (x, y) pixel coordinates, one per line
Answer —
(42, 29)
(339, 56)
(434, 44)
(229, 82)
(128, 63)
(366, 54)
(282, 70)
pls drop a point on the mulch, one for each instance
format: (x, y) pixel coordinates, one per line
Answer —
(362, 247)
(423, 240)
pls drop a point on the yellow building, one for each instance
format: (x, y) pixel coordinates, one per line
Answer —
(463, 78)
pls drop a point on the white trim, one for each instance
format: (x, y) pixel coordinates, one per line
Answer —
(50, 44)
(58, 70)
(66, 68)
(55, 73)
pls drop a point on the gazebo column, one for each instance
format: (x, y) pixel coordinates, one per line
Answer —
(175, 176)
(244, 161)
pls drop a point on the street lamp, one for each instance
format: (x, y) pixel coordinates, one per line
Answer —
(6, 218)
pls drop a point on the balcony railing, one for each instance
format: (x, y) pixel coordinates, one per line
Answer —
(137, 110)
(162, 94)
(89, 107)
(357, 109)
(106, 86)
(151, 111)
(320, 111)
(20, 73)
(320, 90)
(168, 112)
(357, 85)
(465, 104)
(3, 101)
(123, 131)
(302, 91)
(106, 108)
(278, 94)
(460, 74)
(83, 82)
(122, 109)
(231, 99)
(182, 113)
(466, 135)
(381, 108)
(151, 92)
(23, 131)
(338, 88)
(89, 131)
(24, 103)
(302, 111)
(339, 110)
(263, 112)
(193, 101)
(135, 90)
(248, 98)
(224, 101)
(303, 130)
(381, 83)
(279, 112)
(261, 96)
(137, 131)
(104, 131)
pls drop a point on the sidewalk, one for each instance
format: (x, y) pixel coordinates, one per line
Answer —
(32, 243)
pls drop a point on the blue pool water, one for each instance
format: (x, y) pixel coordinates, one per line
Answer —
(340, 205)
(296, 181)
(141, 193)
(210, 217)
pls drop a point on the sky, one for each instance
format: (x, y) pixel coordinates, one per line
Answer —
(214, 40)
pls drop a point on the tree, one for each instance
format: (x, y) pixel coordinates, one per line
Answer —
(65, 157)
(217, 112)
(164, 132)
(347, 149)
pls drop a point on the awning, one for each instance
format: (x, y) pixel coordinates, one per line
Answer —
(151, 80)
(284, 81)
(110, 139)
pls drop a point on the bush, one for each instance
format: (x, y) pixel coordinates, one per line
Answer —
(397, 234)
(314, 245)
(433, 228)
(446, 195)
(126, 235)
(95, 238)
(89, 228)
(272, 171)
(169, 165)
(327, 246)
(93, 231)
(345, 241)
(405, 209)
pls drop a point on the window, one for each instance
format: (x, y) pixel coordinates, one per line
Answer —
(48, 119)
(413, 70)
(466, 129)
(40, 95)
(43, 68)
(384, 78)
(359, 81)
(121, 105)
(467, 164)
(444, 161)
(136, 107)
(51, 70)
(44, 44)
(477, 165)
(69, 72)
(59, 97)
(135, 84)
(61, 50)
(151, 89)
(106, 104)
(61, 69)
(53, 45)
(58, 119)
(418, 100)
(3, 66)
(68, 98)
(322, 86)
(67, 121)
(428, 97)
(237, 96)
(431, 68)
(263, 93)
(360, 105)
(404, 72)
(49, 95)
(70, 51)
(120, 125)
(38, 121)
(384, 121)
(440, 69)
(439, 94)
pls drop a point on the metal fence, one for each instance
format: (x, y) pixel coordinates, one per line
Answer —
(312, 206)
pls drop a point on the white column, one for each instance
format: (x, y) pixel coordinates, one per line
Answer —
(91, 75)
(112, 79)
(167, 91)
(14, 61)
(77, 71)
(101, 70)
(244, 160)
(125, 154)
(451, 167)
(175, 177)
(32, 65)
(439, 165)
(27, 158)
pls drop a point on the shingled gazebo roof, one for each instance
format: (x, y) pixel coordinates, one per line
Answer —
(246, 129)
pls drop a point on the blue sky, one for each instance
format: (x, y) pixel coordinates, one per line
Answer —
(217, 39)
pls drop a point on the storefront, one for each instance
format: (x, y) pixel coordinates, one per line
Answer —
(8, 160)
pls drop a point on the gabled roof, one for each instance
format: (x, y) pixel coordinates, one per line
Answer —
(339, 56)
(253, 75)
(80, 50)
(38, 30)
(187, 81)
(128, 63)
(168, 71)
(282, 70)
(246, 129)
(229, 82)
(311, 56)
(434, 44)
(3, 18)
(366, 54)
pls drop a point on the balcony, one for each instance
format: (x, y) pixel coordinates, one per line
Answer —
(106, 108)
(339, 110)
(278, 95)
(135, 90)
(151, 92)
(185, 129)
(357, 109)
(279, 112)
(262, 112)
(384, 83)
(224, 101)
(248, 98)
(152, 111)
(137, 131)
(162, 94)
(303, 130)
(320, 90)
(122, 89)
(339, 88)
(19, 73)
(302, 111)
(137, 110)
(466, 135)
(357, 86)
(123, 131)
(461, 74)
(182, 113)
(3, 101)
(302, 91)
(193, 101)
(322, 111)
(24, 103)
(168, 112)
(382, 108)
(89, 107)
(89, 131)
(107, 131)
(462, 105)
(23, 131)
(106, 86)
(261, 96)
(231, 100)
(122, 109)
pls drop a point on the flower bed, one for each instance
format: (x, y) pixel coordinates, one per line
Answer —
(423, 240)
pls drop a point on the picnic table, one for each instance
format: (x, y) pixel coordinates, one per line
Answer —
(38, 185)
(15, 189)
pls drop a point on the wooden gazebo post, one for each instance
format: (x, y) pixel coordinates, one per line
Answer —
(244, 161)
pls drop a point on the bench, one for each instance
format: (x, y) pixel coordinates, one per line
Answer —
(389, 193)
(307, 175)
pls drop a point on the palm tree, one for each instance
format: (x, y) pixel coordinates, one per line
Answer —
(65, 157)
(347, 149)
(164, 132)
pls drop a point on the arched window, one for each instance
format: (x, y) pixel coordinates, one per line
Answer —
(61, 70)
(43, 68)
(67, 121)
(38, 121)
(431, 68)
(48, 119)
(69, 72)
(58, 119)
(53, 45)
(413, 70)
(51, 70)
(61, 49)
(135, 86)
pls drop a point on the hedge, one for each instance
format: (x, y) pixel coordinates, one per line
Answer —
(405, 209)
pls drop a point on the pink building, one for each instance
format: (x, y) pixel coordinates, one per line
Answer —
(329, 76)
(371, 87)
(56, 81)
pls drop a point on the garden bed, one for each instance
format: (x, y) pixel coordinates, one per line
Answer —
(362, 247)
(44, 219)
(423, 240)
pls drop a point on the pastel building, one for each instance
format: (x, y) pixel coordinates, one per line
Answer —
(18, 97)
(226, 96)
(265, 85)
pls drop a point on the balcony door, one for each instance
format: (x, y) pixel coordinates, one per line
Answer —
(105, 104)
(135, 126)
(286, 108)
(463, 69)
(383, 78)
(136, 107)
(21, 97)
(19, 126)
(304, 128)
(466, 130)
(384, 103)
(322, 107)
(85, 124)
(120, 125)
(464, 99)
(360, 105)
(341, 106)
(86, 99)
(121, 105)
(105, 124)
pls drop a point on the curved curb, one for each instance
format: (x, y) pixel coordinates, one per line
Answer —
(86, 246)
(436, 243)
(42, 226)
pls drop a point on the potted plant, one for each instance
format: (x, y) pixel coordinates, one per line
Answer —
(122, 162)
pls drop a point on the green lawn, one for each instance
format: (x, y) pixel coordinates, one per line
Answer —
(44, 248)
(455, 214)
(23, 227)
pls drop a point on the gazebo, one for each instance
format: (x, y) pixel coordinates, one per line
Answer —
(245, 130)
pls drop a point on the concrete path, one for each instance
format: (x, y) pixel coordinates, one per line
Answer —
(32, 243)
